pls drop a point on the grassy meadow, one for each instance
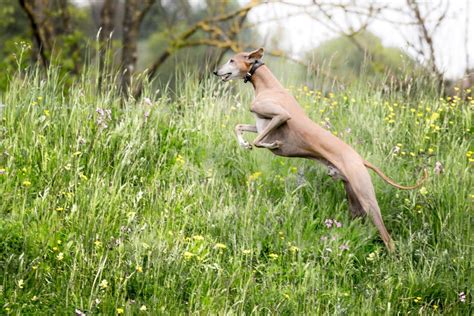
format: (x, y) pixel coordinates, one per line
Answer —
(152, 208)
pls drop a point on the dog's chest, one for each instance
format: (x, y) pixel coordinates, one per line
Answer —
(261, 123)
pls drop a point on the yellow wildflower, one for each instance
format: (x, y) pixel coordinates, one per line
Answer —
(97, 243)
(198, 237)
(372, 256)
(220, 246)
(21, 283)
(248, 251)
(60, 256)
(180, 160)
(423, 191)
(139, 269)
(188, 255)
(273, 256)
(434, 116)
(26, 183)
(255, 176)
(120, 311)
(104, 284)
(46, 112)
(294, 249)
(59, 209)
(143, 308)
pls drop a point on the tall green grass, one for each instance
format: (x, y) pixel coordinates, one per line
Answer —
(153, 208)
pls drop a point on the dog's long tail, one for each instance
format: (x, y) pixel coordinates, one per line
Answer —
(391, 182)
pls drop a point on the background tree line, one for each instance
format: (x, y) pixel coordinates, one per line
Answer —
(150, 37)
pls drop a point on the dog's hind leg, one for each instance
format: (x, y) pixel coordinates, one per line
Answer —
(361, 191)
(355, 208)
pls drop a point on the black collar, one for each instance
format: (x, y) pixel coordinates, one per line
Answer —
(255, 65)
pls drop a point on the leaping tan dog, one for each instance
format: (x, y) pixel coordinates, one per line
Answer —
(284, 128)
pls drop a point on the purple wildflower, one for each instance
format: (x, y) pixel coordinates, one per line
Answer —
(344, 247)
(328, 222)
(462, 297)
(147, 101)
(438, 169)
(104, 116)
(338, 224)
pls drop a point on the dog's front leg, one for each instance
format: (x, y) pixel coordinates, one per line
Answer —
(239, 129)
(278, 116)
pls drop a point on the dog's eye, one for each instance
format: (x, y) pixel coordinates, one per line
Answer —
(231, 60)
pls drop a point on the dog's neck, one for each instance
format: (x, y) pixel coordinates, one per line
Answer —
(263, 80)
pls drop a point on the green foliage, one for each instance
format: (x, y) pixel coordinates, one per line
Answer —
(348, 60)
(154, 206)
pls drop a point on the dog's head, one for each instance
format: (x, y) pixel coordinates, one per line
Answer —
(239, 65)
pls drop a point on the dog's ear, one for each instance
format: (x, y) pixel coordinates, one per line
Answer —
(256, 54)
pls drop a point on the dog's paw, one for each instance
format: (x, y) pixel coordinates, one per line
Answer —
(245, 145)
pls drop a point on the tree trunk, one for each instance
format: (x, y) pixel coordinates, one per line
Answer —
(42, 46)
(134, 14)
(129, 40)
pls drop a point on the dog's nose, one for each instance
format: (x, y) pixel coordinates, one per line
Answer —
(215, 72)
